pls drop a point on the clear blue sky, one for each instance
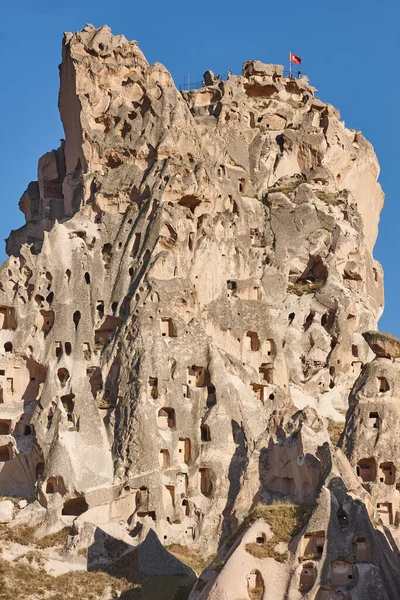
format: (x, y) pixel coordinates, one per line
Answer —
(350, 51)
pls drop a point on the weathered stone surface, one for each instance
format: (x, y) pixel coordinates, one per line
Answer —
(6, 511)
(182, 320)
(383, 344)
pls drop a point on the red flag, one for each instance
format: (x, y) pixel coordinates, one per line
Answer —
(295, 59)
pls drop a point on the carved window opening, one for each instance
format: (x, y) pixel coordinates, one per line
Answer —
(205, 433)
(385, 511)
(383, 385)
(196, 376)
(267, 372)
(366, 469)
(166, 418)
(184, 449)
(63, 375)
(167, 327)
(5, 427)
(5, 453)
(95, 380)
(205, 481)
(362, 550)
(387, 473)
(68, 403)
(153, 387)
(76, 318)
(252, 341)
(211, 396)
(136, 244)
(308, 576)
(258, 391)
(255, 585)
(341, 572)
(7, 318)
(163, 459)
(106, 252)
(374, 420)
(47, 320)
(242, 185)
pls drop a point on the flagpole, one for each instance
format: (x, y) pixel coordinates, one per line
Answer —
(290, 65)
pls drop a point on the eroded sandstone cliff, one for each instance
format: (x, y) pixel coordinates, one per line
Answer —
(182, 332)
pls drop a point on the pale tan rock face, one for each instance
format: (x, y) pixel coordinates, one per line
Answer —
(181, 312)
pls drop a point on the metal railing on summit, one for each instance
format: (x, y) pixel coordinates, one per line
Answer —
(188, 85)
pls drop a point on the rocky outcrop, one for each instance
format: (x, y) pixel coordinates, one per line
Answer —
(183, 321)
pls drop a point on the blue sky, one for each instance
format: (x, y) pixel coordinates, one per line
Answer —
(350, 51)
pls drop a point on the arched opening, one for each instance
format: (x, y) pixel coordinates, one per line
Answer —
(106, 254)
(366, 469)
(205, 433)
(8, 347)
(39, 470)
(255, 585)
(95, 380)
(68, 403)
(205, 481)
(242, 185)
(51, 485)
(136, 244)
(211, 396)
(63, 375)
(68, 348)
(308, 576)
(76, 318)
(261, 539)
(87, 278)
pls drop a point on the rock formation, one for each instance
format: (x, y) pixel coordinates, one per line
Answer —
(187, 314)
